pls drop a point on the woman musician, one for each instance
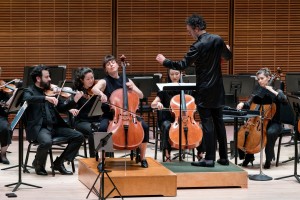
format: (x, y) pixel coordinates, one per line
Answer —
(165, 118)
(84, 81)
(274, 126)
(5, 130)
(105, 88)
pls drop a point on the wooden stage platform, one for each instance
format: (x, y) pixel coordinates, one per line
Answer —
(159, 179)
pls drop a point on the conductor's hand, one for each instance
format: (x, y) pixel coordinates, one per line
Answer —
(52, 100)
(160, 58)
(228, 47)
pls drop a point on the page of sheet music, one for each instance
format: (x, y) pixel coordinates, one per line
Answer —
(162, 85)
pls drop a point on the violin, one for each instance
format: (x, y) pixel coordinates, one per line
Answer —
(8, 87)
(249, 135)
(128, 132)
(54, 90)
(191, 133)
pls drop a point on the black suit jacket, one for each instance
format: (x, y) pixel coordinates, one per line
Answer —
(33, 117)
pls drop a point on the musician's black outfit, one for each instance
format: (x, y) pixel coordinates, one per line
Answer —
(43, 122)
(83, 122)
(5, 130)
(206, 55)
(274, 125)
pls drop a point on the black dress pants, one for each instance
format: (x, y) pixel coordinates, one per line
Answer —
(44, 139)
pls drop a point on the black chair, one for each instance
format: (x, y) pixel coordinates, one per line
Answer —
(284, 132)
(57, 144)
(286, 117)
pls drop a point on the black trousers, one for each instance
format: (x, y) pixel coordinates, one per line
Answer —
(5, 132)
(44, 139)
(273, 130)
(213, 130)
(104, 122)
(86, 130)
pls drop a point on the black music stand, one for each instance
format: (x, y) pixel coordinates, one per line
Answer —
(96, 110)
(295, 103)
(261, 100)
(180, 86)
(16, 105)
(103, 141)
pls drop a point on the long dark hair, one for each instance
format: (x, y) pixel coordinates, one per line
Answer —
(80, 74)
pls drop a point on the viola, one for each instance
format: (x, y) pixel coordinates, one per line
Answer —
(249, 135)
(191, 133)
(128, 132)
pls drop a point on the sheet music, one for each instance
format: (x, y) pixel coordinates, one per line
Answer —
(18, 116)
(162, 85)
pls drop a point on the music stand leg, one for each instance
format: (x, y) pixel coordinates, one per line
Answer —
(261, 176)
(19, 183)
(296, 159)
(103, 171)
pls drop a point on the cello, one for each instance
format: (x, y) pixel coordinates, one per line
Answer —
(190, 133)
(249, 135)
(127, 131)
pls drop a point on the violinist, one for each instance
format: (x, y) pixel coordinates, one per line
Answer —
(5, 130)
(162, 101)
(43, 122)
(84, 81)
(205, 55)
(105, 87)
(274, 126)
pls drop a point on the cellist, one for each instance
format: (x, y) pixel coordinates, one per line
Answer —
(161, 101)
(274, 126)
(105, 87)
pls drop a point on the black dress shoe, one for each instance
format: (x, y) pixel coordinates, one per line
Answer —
(62, 170)
(223, 161)
(4, 160)
(267, 165)
(204, 163)
(40, 170)
(144, 163)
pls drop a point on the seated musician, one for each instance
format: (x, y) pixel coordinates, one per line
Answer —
(5, 130)
(274, 126)
(161, 101)
(84, 81)
(43, 122)
(105, 87)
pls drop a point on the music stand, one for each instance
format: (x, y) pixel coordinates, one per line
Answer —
(96, 110)
(261, 100)
(173, 87)
(15, 105)
(103, 141)
(295, 103)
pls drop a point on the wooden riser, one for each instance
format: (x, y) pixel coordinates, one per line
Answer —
(130, 178)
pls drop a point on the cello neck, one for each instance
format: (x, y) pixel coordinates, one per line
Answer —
(125, 95)
(183, 102)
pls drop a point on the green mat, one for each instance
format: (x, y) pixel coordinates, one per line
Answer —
(182, 167)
